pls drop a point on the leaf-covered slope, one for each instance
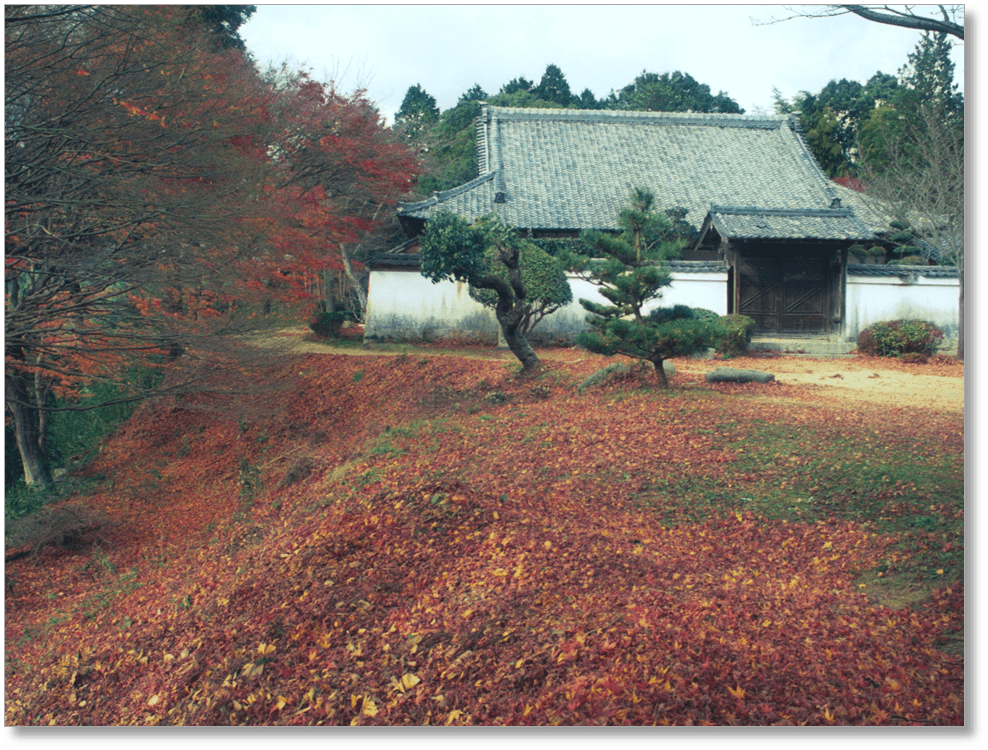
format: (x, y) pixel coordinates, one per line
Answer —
(435, 540)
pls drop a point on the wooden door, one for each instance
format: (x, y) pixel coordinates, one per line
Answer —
(784, 295)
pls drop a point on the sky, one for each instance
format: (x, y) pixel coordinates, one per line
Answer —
(446, 49)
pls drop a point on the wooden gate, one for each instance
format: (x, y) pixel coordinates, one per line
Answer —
(784, 295)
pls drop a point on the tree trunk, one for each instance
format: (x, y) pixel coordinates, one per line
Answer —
(357, 286)
(660, 373)
(27, 430)
(518, 344)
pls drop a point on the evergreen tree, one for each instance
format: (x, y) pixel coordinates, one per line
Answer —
(546, 286)
(418, 110)
(553, 87)
(586, 100)
(833, 119)
(474, 94)
(454, 250)
(671, 92)
(224, 21)
(523, 99)
(516, 84)
(630, 275)
(930, 75)
(825, 142)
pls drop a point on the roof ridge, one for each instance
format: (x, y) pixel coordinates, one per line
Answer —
(840, 213)
(718, 119)
(442, 195)
(808, 161)
(870, 269)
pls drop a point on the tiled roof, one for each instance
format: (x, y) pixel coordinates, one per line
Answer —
(870, 212)
(404, 259)
(696, 266)
(933, 272)
(575, 169)
(820, 223)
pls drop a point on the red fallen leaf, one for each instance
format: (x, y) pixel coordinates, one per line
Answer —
(423, 584)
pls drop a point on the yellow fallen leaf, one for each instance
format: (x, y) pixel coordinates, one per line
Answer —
(153, 700)
(408, 681)
(369, 708)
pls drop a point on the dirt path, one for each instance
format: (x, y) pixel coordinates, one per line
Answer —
(871, 379)
(874, 380)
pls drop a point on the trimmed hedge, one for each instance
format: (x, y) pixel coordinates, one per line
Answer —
(736, 335)
(896, 337)
(734, 331)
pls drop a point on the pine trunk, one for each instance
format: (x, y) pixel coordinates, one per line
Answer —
(511, 311)
(519, 346)
(660, 373)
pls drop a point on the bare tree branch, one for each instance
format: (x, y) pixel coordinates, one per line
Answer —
(887, 14)
(907, 19)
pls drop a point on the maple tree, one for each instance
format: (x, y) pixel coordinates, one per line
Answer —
(156, 186)
(630, 275)
(124, 142)
(338, 171)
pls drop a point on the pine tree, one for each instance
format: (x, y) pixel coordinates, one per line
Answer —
(930, 75)
(630, 275)
(553, 87)
(418, 110)
(486, 255)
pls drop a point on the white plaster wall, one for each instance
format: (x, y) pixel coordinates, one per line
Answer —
(872, 299)
(406, 305)
(707, 290)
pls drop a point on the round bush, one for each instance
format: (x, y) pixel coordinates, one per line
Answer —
(897, 337)
(701, 313)
(328, 324)
(736, 335)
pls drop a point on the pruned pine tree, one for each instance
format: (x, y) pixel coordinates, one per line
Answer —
(546, 286)
(630, 273)
(452, 249)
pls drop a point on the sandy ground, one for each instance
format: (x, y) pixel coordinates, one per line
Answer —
(870, 379)
(865, 378)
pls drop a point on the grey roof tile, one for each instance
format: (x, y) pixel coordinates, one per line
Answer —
(933, 272)
(754, 223)
(575, 169)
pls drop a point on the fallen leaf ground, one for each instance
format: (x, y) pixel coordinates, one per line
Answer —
(408, 539)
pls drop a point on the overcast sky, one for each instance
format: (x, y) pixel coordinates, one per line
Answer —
(448, 48)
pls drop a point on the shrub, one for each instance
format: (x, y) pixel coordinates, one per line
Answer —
(701, 313)
(735, 336)
(908, 260)
(896, 337)
(328, 324)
